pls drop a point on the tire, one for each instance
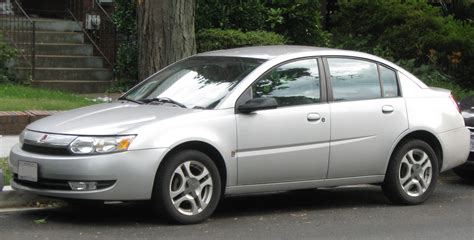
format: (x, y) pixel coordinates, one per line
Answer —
(412, 173)
(465, 174)
(187, 187)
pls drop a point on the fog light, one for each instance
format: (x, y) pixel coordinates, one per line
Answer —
(83, 186)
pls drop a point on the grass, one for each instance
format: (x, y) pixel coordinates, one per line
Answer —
(6, 171)
(20, 98)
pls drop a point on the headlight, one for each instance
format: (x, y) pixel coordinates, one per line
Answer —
(97, 145)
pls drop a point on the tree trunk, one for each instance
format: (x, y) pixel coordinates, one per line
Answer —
(165, 33)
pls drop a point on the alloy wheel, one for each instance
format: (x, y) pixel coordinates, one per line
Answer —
(191, 188)
(415, 172)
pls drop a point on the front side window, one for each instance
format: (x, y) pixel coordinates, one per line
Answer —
(353, 79)
(197, 82)
(294, 83)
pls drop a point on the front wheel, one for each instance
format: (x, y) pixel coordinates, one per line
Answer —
(187, 187)
(412, 173)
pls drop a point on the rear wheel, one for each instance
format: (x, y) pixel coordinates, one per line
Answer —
(187, 187)
(412, 173)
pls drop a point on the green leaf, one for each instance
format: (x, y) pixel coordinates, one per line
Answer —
(40, 221)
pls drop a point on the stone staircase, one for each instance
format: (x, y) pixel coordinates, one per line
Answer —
(64, 61)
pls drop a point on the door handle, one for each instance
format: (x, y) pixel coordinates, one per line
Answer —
(387, 109)
(313, 117)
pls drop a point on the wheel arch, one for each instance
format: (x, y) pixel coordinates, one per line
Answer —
(424, 135)
(205, 148)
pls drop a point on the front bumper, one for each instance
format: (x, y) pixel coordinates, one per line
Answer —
(132, 173)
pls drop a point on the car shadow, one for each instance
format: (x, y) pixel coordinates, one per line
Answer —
(291, 202)
(301, 200)
(450, 177)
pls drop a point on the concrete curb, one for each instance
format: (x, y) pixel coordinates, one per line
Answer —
(10, 198)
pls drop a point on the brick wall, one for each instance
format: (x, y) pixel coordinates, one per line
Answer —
(12, 123)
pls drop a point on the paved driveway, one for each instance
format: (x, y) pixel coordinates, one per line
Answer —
(341, 213)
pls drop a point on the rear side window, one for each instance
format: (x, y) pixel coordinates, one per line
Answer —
(353, 79)
(389, 82)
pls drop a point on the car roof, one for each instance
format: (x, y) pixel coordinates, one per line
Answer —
(266, 52)
(285, 52)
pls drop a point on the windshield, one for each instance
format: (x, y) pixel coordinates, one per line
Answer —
(196, 82)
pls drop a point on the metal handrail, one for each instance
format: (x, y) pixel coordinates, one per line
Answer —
(103, 10)
(90, 39)
(77, 13)
(16, 30)
(111, 21)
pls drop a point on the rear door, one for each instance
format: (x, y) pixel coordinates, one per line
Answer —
(367, 115)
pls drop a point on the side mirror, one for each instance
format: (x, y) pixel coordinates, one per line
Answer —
(255, 104)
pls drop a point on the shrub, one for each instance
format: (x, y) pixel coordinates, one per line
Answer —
(298, 20)
(462, 9)
(434, 78)
(211, 14)
(249, 16)
(214, 39)
(7, 54)
(126, 62)
(408, 30)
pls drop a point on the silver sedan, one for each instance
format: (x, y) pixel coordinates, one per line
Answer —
(249, 120)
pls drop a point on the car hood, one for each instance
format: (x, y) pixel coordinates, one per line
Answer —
(106, 119)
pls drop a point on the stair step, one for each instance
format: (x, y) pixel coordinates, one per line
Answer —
(63, 49)
(54, 37)
(64, 61)
(57, 25)
(93, 74)
(45, 24)
(76, 86)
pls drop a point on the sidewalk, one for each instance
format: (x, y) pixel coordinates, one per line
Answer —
(6, 143)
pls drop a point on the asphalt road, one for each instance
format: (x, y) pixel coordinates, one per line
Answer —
(340, 213)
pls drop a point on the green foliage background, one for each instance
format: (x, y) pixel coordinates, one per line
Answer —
(7, 55)
(299, 21)
(126, 65)
(435, 43)
(439, 49)
(214, 39)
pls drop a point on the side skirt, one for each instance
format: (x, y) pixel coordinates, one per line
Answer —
(286, 186)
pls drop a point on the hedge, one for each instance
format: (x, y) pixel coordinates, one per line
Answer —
(408, 30)
(215, 39)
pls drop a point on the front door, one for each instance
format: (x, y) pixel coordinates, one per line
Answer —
(289, 143)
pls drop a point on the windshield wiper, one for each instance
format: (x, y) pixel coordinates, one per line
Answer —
(130, 100)
(164, 100)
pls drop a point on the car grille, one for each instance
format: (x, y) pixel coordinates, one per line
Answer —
(60, 151)
(55, 184)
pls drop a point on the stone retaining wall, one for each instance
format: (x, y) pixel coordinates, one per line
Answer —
(12, 123)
